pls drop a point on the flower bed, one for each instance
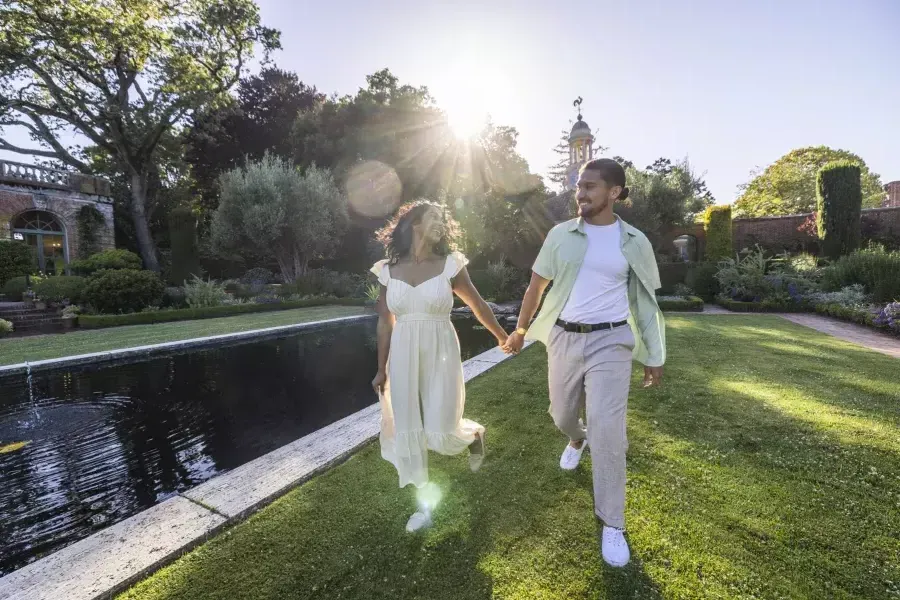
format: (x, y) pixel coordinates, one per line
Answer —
(680, 303)
(886, 319)
(211, 312)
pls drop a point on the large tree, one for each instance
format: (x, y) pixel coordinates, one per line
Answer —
(269, 207)
(258, 121)
(121, 73)
(788, 186)
(658, 200)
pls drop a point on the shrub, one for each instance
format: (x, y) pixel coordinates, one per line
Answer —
(183, 241)
(6, 327)
(756, 277)
(258, 276)
(15, 287)
(107, 260)
(323, 282)
(199, 293)
(701, 278)
(717, 224)
(500, 282)
(683, 291)
(877, 270)
(89, 220)
(372, 292)
(71, 311)
(839, 192)
(16, 260)
(123, 291)
(189, 314)
(174, 297)
(850, 296)
(60, 289)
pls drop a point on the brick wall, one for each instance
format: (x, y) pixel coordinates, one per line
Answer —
(64, 204)
(782, 232)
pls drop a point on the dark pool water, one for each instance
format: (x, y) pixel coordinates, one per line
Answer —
(106, 443)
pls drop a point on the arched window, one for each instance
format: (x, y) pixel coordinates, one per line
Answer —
(47, 235)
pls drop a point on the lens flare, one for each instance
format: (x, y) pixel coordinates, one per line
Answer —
(428, 497)
(373, 189)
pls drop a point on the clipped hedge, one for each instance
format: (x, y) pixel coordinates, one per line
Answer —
(690, 304)
(717, 225)
(762, 306)
(858, 315)
(212, 312)
(839, 195)
(16, 287)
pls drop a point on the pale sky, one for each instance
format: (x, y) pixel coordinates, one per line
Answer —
(730, 85)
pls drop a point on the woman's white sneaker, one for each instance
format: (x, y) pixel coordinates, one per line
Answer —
(614, 547)
(419, 520)
(572, 456)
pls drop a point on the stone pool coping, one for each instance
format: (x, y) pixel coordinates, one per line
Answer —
(141, 353)
(108, 562)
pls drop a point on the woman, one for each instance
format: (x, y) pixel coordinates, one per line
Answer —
(420, 376)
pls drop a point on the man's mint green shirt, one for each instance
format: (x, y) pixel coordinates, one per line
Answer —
(560, 260)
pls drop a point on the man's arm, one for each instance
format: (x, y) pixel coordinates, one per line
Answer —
(530, 304)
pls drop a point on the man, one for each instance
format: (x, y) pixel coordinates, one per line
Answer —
(600, 313)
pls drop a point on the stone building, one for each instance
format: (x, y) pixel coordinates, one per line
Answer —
(40, 206)
(893, 195)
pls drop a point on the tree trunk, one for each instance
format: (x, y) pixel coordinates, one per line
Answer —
(292, 262)
(138, 207)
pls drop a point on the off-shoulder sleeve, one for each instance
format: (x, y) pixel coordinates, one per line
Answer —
(455, 263)
(381, 270)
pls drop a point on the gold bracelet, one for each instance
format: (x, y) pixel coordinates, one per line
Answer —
(521, 331)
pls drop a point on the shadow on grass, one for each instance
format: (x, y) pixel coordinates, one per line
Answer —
(761, 472)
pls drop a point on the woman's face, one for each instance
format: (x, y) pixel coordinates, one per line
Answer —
(431, 227)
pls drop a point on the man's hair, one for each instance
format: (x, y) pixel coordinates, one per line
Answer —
(610, 171)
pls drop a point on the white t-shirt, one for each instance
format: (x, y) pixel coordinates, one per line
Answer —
(600, 293)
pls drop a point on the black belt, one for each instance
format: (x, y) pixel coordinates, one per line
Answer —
(583, 328)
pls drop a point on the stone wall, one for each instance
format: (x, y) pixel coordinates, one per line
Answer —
(64, 204)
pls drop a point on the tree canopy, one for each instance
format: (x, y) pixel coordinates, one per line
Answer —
(788, 186)
(271, 207)
(122, 74)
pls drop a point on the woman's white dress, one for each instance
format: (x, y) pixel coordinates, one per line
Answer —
(424, 398)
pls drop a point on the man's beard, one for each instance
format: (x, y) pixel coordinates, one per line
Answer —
(586, 212)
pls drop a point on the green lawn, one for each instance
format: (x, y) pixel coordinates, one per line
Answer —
(767, 467)
(17, 350)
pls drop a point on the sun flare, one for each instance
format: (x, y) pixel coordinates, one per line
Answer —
(466, 120)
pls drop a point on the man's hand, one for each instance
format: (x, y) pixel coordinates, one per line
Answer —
(514, 343)
(653, 376)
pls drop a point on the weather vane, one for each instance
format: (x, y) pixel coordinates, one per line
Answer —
(577, 104)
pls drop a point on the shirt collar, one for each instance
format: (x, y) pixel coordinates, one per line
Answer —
(578, 225)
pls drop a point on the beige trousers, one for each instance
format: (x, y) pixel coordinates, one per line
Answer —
(591, 372)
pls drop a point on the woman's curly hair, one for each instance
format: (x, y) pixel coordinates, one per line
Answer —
(397, 235)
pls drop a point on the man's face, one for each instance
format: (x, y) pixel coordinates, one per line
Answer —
(593, 194)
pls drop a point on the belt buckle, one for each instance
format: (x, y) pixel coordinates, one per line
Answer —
(584, 328)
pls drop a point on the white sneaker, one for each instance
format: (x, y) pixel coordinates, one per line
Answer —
(614, 547)
(572, 456)
(419, 520)
(476, 460)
